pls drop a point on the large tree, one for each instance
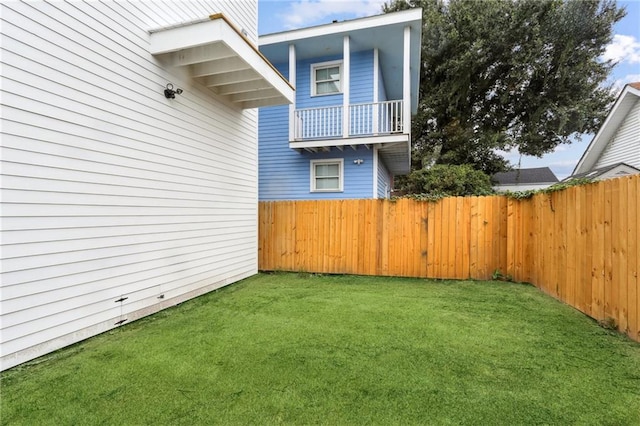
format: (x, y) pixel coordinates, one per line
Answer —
(502, 74)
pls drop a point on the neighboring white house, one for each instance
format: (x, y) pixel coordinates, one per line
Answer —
(606, 172)
(616, 147)
(122, 195)
(524, 179)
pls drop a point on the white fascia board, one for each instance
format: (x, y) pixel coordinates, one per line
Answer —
(405, 16)
(606, 131)
(215, 30)
(350, 141)
(188, 35)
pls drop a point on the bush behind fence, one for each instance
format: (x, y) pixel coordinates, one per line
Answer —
(579, 244)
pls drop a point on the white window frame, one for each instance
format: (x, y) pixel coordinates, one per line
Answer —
(321, 65)
(340, 162)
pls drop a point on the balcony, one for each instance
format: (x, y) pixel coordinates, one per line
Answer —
(385, 126)
(362, 120)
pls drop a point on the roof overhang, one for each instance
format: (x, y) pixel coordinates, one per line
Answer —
(625, 102)
(384, 32)
(395, 150)
(220, 57)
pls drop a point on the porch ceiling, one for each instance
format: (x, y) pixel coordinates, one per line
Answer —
(220, 57)
(395, 150)
(397, 157)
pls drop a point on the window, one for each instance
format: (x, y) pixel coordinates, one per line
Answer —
(326, 78)
(326, 175)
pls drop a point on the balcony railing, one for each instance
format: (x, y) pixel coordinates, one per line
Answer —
(370, 119)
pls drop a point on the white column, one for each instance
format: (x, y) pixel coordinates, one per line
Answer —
(346, 76)
(292, 80)
(376, 89)
(406, 83)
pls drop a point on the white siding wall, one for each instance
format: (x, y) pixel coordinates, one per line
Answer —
(625, 145)
(110, 190)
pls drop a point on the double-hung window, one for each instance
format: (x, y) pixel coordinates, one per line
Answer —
(327, 175)
(326, 78)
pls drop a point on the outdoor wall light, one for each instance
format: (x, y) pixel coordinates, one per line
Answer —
(169, 93)
(358, 161)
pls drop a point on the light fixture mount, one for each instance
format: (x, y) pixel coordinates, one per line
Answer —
(170, 93)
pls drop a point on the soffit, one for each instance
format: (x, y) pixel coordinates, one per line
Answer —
(395, 150)
(219, 56)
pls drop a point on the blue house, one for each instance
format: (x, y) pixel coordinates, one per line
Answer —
(347, 134)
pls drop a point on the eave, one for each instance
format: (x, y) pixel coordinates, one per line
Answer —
(382, 32)
(220, 57)
(395, 150)
(608, 130)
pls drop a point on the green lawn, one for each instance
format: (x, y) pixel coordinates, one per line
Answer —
(340, 350)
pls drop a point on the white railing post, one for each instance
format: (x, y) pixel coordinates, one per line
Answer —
(376, 90)
(368, 119)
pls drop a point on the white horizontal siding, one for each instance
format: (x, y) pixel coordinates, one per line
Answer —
(110, 190)
(625, 145)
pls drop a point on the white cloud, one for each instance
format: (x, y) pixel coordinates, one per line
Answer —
(305, 13)
(623, 48)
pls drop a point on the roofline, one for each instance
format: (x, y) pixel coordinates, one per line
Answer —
(628, 89)
(600, 171)
(404, 16)
(222, 16)
(230, 44)
(255, 48)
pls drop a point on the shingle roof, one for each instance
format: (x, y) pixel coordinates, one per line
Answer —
(592, 174)
(521, 176)
(635, 85)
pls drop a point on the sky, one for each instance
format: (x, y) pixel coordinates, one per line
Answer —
(282, 15)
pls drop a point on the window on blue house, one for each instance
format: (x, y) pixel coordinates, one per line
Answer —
(326, 78)
(326, 175)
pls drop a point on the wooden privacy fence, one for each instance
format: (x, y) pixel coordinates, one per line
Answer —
(579, 245)
(453, 238)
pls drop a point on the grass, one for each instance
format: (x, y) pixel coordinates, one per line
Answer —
(304, 349)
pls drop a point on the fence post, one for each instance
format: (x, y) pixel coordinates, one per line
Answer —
(512, 233)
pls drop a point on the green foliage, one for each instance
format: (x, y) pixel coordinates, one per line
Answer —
(423, 197)
(444, 180)
(560, 186)
(499, 276)
(608, 323)
(502, 74)
(340, 350)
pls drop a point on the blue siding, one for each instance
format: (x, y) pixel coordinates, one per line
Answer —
(284, 174)
(361, 77)
(361, 81)
(382, 91)
(384, 180)
(357, 178)
(303, 85)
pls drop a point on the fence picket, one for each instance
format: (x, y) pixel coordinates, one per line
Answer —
(579, 245)
(633, 271)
